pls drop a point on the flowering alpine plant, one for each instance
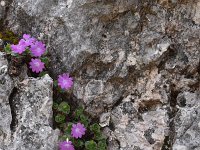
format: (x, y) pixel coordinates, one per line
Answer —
(36, 65)
(20, 47)
(66, 145)
(75, 126)
(64, 81)
(78, 130)
(38, 48)
(28, 39)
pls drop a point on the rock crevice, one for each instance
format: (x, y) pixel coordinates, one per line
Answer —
(26, 112)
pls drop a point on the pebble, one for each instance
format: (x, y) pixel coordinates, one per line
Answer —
(3, 3)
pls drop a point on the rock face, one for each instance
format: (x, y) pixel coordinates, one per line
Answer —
(187, 122)
(6, 86)
(26, 113)
(135, 63)
(2, 9)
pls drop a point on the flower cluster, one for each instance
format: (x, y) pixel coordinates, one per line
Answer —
(64, 81)
(37, 49)
(77, 131)
(66, 145)
(76, 125)
(36, 65)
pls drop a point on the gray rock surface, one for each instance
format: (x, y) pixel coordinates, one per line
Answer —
(132, 59)
(6, 87)
(187, 122)
(2, 9)
(26, 113)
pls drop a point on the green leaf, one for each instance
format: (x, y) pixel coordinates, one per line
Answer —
(55, 105)
(102, 145)
(91, 145)
(84, 119)
(61, 90)
(45, 53)
(7, 49)
(62, 126)
(27, 52)
(78, 112)
(59, 100)
(63, 137)
(95, 128)
(45, 60)
(64, 107)
(69, 127)
(60, 118)
(55, 83)
(98, 136)
(78, 143)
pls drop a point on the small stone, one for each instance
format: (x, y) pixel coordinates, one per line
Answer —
(196, 17)
(104, 119)
(3, 3)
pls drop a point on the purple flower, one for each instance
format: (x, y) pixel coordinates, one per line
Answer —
(37, 49)
(64, 81)
(20, 47)
(28, 40)
(26, 36)
(66, 145)
(78, 130)
(36, 65)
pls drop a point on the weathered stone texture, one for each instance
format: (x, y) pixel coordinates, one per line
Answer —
(132, 60)
(25, 112)
(32, 106)
(6, 86)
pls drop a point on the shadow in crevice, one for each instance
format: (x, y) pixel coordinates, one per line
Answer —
(13, 109)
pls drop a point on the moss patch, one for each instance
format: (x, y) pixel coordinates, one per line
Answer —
(7, 35)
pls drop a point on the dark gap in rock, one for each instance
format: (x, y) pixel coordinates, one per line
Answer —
(104, 35)
(13, 109)
(147, 135)
(111, 126)
(140, 118)
(118, 142)
(170, 53)
(182, 102)
(165, 86)
(172, 111)
(166, 145)
(118, 102)
(195, 86)
(149, 105)
(15, 65)
(173, 96)
(142, 109)
(198, 68)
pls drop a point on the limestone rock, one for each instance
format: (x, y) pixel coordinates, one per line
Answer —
(6, 87)
(129, 58)
(32, 106)
(26, 112)
(196, 17)
(146, 132)
(187, 122)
